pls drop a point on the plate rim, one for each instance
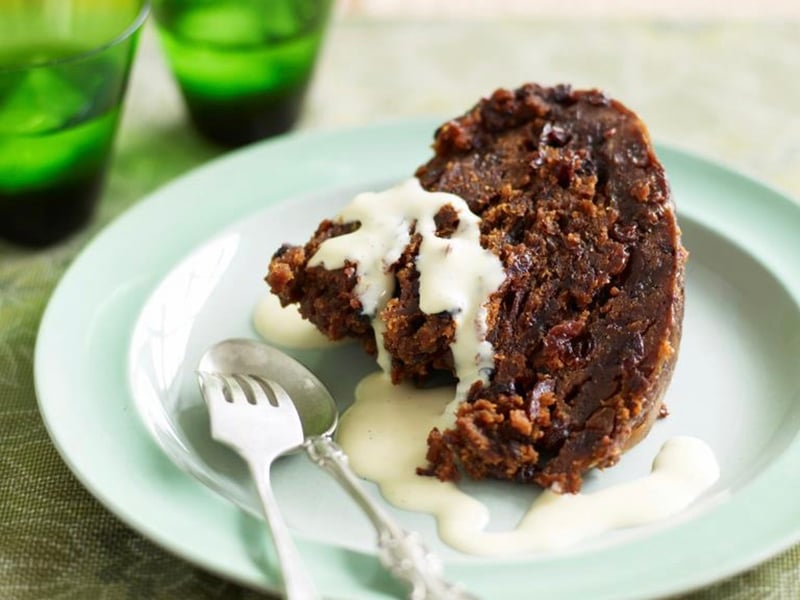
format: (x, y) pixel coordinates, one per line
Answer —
(414, 129)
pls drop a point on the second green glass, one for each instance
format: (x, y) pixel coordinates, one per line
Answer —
(243, 66)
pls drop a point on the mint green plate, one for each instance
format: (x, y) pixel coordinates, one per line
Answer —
(120, 339)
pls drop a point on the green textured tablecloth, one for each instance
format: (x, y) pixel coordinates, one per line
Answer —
(729, 91)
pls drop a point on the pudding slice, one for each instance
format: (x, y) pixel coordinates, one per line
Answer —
(575, 340)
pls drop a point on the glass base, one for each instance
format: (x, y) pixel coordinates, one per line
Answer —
(241, 121)
(48, 215)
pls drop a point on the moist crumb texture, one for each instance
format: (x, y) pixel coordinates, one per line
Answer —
(586, 325)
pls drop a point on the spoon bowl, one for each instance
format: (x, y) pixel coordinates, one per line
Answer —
(248, 365)
(314, 403)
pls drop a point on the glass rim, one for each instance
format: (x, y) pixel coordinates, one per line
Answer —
(128, 31)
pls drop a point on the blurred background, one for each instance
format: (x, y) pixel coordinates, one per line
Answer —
(714, 77)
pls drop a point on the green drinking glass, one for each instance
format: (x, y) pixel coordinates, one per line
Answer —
(64, 67)
(243, 66)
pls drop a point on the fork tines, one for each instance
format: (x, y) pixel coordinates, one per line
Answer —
(252, 387)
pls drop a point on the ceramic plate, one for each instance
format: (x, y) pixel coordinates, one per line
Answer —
(182, 269)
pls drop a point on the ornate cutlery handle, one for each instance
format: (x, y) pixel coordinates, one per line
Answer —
(401, 552)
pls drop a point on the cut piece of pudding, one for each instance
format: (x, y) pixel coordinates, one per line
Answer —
(574, 343)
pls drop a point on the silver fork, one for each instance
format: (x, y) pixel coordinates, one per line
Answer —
(400, 551)
(256, 417)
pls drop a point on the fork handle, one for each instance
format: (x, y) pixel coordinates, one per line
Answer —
(401, 552)
(297, 584)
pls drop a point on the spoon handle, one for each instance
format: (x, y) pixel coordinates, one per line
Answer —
(402, 552)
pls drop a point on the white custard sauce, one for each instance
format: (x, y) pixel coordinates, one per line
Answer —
(283, 325)
(384, 434)
(457, 275)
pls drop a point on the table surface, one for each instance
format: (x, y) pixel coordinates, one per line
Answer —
(726, 90)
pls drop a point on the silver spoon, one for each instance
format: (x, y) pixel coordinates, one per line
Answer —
(400, 551)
